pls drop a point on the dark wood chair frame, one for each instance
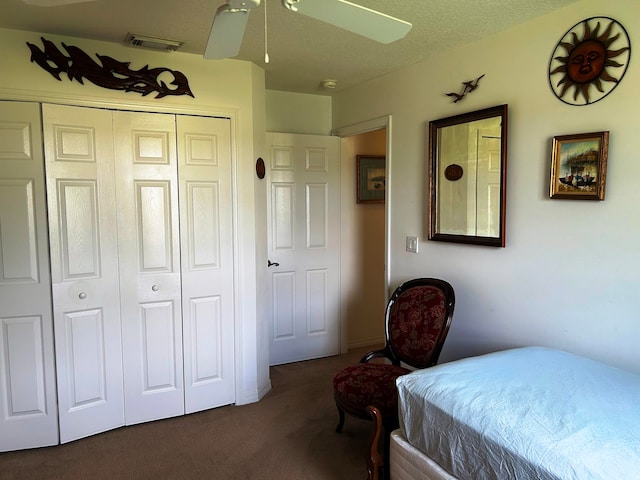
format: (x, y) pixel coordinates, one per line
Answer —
(387, 425)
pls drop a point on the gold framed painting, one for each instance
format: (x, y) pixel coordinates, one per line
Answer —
(371, 178)
(579, 166)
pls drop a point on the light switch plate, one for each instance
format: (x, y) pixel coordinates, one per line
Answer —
(412, 244)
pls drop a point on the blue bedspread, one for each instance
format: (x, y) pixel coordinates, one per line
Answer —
(526, 413)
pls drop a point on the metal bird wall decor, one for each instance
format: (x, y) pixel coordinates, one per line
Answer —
(468, 87)
(112, 74)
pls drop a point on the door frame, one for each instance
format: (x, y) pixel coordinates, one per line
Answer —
(344, 133)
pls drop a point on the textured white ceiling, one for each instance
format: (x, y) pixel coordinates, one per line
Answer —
(302, 51)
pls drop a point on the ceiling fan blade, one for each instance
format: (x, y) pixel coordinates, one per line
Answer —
(369, 23)
(53, 3)
(227, 31)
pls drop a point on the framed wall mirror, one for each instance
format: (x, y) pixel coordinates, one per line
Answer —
(467, 177)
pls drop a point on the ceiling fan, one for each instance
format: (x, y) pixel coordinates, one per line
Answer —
(231, 19)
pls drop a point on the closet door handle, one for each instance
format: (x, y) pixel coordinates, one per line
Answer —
(82, 296)
(272, 264)
(155, 288)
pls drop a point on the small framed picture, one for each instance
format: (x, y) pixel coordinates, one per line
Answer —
(371, 178)
(579, 166)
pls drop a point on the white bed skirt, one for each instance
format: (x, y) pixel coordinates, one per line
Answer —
(409, 463)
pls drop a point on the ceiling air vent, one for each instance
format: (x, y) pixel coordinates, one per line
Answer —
(153, 43)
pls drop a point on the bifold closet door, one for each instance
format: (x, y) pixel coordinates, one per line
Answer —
(135, 259)
(149, 248)
(84, 268)
(28, 413)
(204, 152)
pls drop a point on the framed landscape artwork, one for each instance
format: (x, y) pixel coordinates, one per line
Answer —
(579, 166)
(371, 178)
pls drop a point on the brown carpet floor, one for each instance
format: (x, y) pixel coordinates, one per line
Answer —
(289, 434)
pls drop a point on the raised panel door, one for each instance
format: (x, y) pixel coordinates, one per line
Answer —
(28, 413)
(204, 151)
(149, 249)
(303, 205)
(84, 268)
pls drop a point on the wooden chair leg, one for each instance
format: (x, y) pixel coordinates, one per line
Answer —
(341, 419)
(373, 455)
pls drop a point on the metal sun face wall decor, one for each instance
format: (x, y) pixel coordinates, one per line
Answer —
(589, 61)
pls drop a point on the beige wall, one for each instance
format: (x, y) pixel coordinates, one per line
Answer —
(289, 112)
(227, 88)
(568, 277)
(362, 256)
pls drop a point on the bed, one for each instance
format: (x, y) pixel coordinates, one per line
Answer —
(524, 413)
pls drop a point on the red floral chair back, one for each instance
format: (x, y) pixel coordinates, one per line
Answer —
(418, 316)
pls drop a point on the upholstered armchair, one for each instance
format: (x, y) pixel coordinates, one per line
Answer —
(417, 319)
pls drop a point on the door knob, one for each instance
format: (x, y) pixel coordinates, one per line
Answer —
(82, 296)
(155, 288)
(272, 264)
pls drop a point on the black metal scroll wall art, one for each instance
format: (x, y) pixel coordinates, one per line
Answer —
(111, 73)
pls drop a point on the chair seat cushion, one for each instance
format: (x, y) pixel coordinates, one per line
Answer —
(364, 384)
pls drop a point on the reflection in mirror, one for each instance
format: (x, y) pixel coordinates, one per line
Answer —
(467, 177)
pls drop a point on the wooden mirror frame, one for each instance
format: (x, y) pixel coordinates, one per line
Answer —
(454, 172)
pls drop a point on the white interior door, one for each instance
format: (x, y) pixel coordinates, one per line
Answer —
(206, 226)
(488, 194)
(84, 252)
(304, 231)
(28, 412)
(148, 239)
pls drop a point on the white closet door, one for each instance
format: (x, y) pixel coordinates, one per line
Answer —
(84, 252)
(204, 150)
(28, 412)
(148, 238)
